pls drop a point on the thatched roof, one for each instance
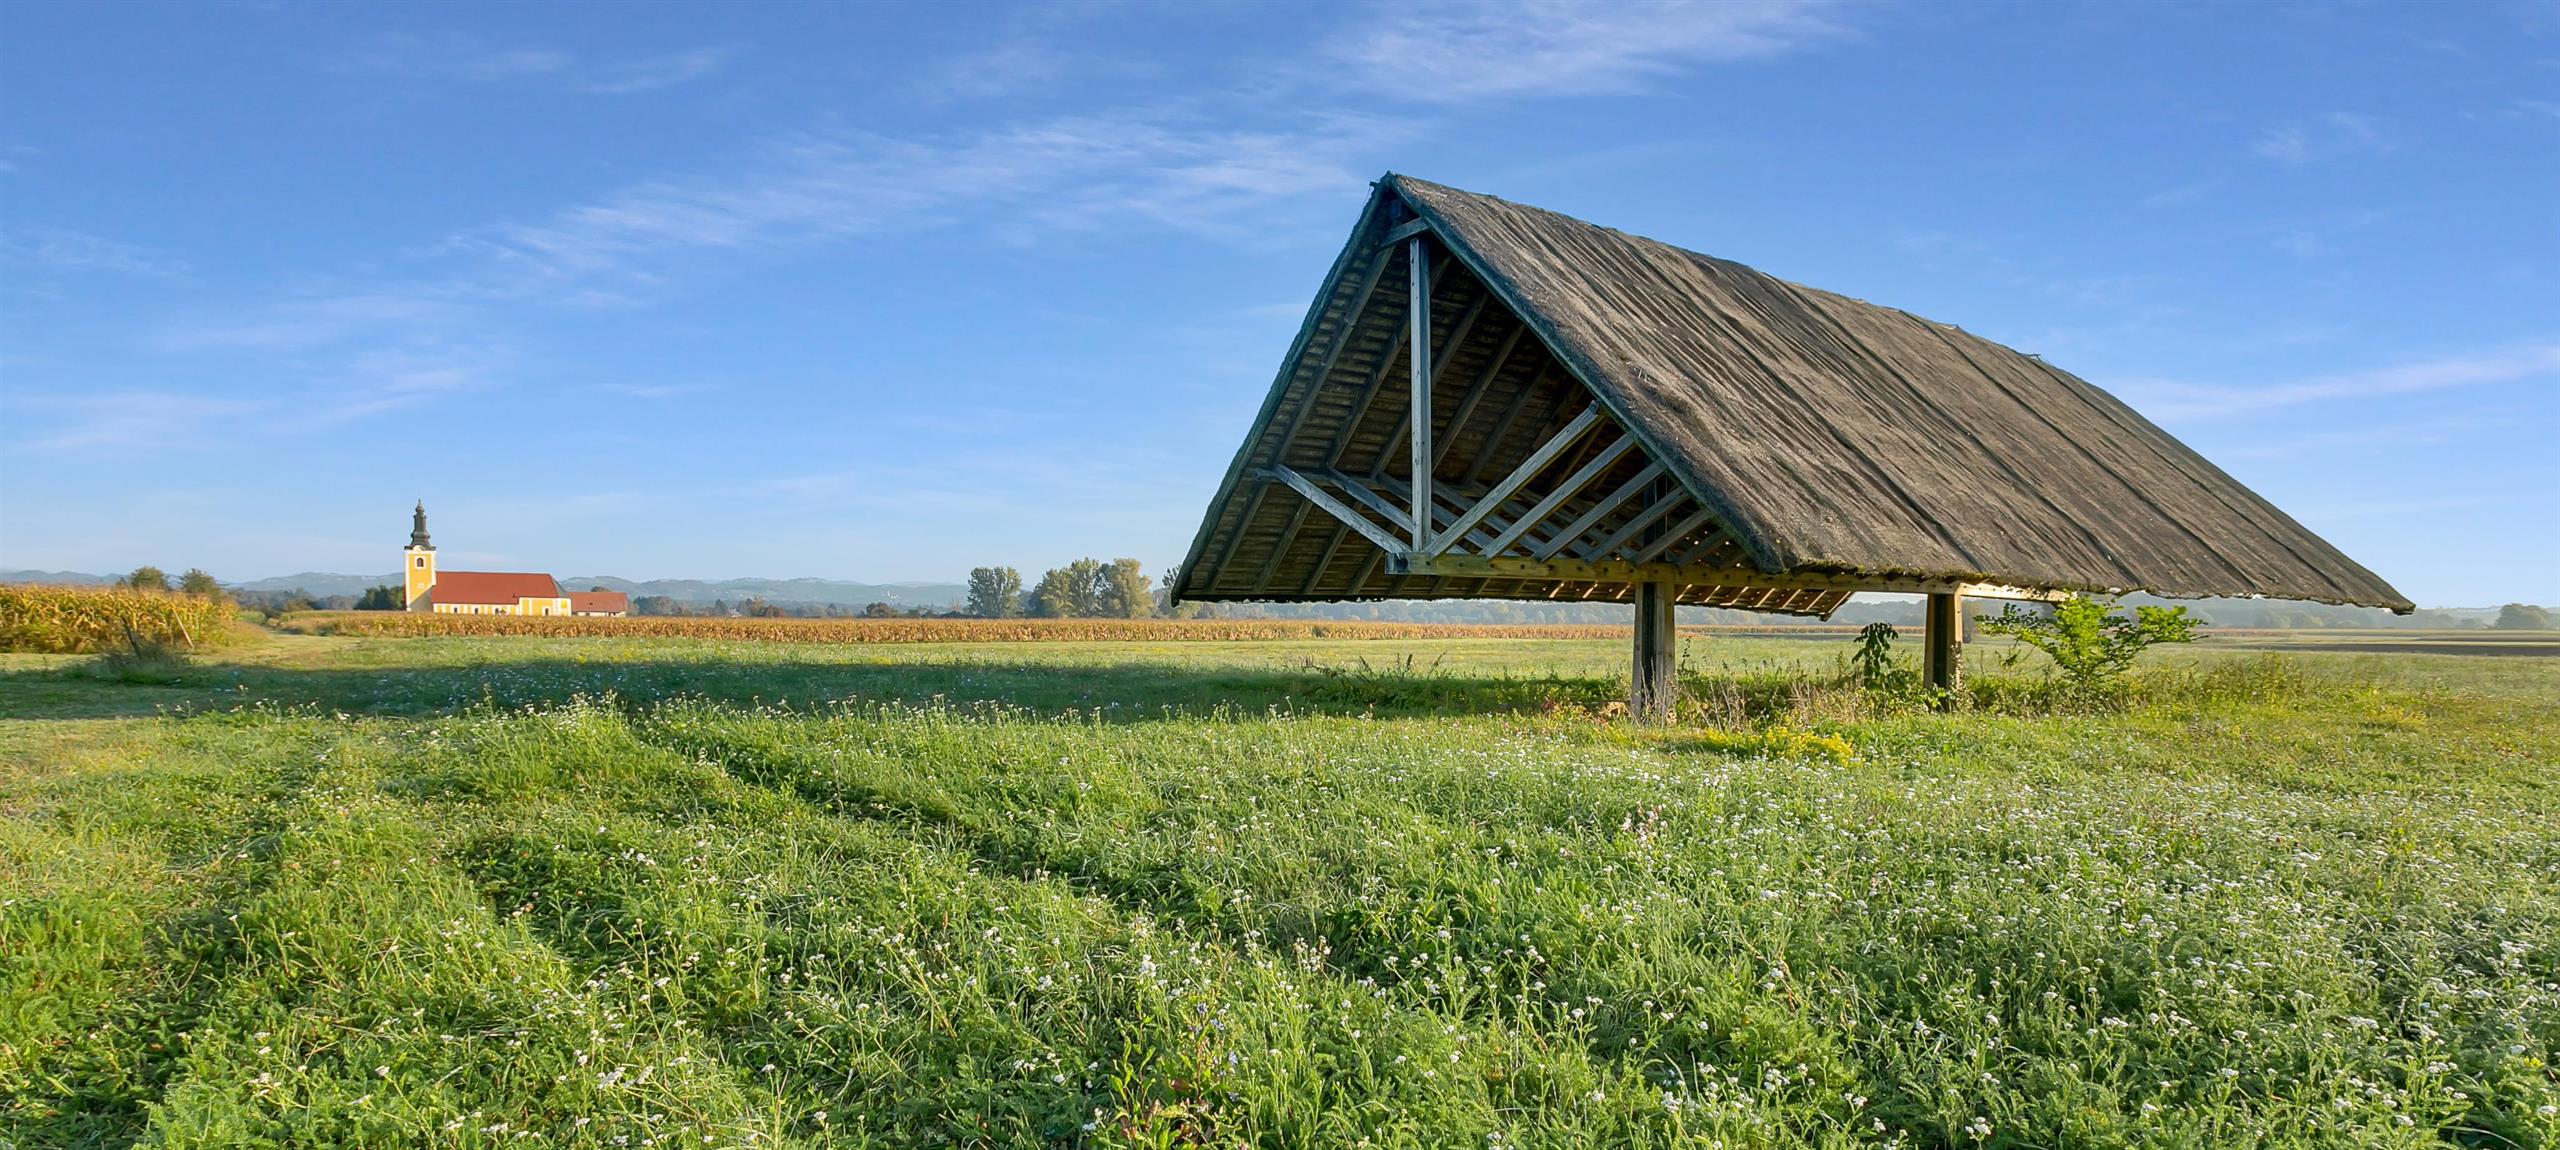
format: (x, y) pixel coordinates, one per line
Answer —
(1787, 435)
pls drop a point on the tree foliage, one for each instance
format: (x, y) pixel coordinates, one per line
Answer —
(2523, 617)
(995, 592)
(1092, 589)
(147, 578)
(1125, 593)
(1070, 592)
(197, 582)
(382, 597)
(2091, 645)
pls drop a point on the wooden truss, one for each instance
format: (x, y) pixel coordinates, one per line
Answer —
(1589, 505)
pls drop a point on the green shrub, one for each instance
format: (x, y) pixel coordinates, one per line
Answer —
(2091, 646)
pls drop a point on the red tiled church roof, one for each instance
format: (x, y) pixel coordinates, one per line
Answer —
(493, 587)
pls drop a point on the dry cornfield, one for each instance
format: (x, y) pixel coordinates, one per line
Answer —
(385, 624)
(64, 620)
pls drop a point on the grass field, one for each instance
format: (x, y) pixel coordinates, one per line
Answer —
(611, 892)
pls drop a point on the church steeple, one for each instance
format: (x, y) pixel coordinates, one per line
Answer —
(418, 563)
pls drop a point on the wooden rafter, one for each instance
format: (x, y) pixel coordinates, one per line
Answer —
(1331, 506)
(1679, 531)
(1607, 506)
(1572, 486)
(1529, 469)
(1418, 355)
(1627, 530)
(1476, 393)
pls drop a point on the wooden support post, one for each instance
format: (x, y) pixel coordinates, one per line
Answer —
(1419, 355)
(1942, 642)
(1655, 693)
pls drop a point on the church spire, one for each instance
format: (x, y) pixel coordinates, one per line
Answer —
(418, 529)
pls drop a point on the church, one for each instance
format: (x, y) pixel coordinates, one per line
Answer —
(491, 592)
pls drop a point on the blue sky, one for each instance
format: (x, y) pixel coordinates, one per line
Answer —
(883, 293)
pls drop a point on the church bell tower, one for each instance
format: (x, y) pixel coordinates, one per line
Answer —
(418, 560)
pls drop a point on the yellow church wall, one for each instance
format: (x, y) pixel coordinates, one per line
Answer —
(419, 571)
(558, 606)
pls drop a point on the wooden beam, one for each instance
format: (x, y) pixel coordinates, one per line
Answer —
(1418, 353)
(1621, 571)
(1332, 547)
(1476, 393)
(1572, 486)
(1607, 506)
(1227, 554)
(1942, 645)
(1653, 691)
(1370, 499)
(1441, 508)
(1679, 531)
(1528, 470)
(1440, 364)
(1359, 412)
(1349, 326)
(1404, 231)
(1502, 429)
(1280, 548)
(1600, 551)
(1331, 506)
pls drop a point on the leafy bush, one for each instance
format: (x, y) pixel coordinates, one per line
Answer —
(1874, 668)
(72, 620)
(2091, 646)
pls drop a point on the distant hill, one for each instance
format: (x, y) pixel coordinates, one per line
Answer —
(780, 590)
(320, 583)
(57, 578)
(817, 591)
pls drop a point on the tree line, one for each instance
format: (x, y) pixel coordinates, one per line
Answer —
(1084, 589)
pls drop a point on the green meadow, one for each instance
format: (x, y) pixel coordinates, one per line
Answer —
(491, 892)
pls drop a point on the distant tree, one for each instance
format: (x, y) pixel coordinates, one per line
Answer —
(298, 599)
(1070, 592)
(754, 607)
(879, 611)
(196, 582)
(995, 592)
(2523, 617)
(384, 597)
(147, 578)
(1123, 592)
(655, 605)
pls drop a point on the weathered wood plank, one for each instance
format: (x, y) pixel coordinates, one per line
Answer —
(1330, 506)
(1520, 476)
(1573, 484)
(1418, 346)
(1942, 644)
(1607, 506)
(1653, 692)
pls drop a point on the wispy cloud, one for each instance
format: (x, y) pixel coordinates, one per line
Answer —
(312, 321)
(465, 60)
(651, 73)
(2325, 137)
(1063, 175)
(125, 419)
(1447, 51)
(68, 251)
(2179, 400)
(2180, 196)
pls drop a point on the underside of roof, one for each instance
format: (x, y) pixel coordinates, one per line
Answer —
(1606, 409)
